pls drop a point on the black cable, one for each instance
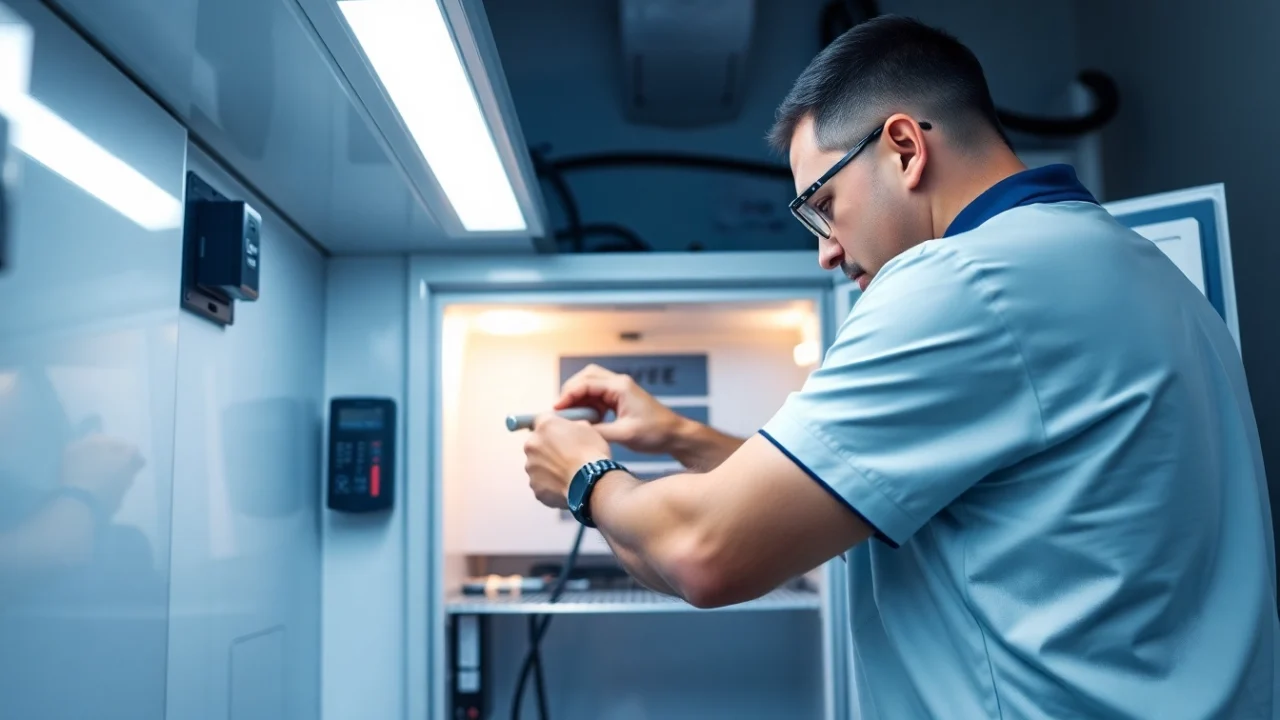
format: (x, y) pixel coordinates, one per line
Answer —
(541, 623)
(630, 241)
(567, 201)
(1106, 95)
(539, 680)
(577, 232)
(668, 159)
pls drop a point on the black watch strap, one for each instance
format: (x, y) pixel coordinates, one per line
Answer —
(582, 485)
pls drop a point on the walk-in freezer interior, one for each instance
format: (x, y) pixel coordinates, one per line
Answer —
(730, 363)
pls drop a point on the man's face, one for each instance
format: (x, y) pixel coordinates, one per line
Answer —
(864, 205)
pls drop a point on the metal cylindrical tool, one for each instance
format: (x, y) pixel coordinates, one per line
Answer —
(525, 422)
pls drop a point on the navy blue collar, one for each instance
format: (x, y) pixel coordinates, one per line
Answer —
(1048, 184)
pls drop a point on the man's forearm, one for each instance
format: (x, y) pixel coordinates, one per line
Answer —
(701, 448)
(649, 526)
(636, 568)
(696, 447)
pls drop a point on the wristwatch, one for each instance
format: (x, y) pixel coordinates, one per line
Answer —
(584, 481)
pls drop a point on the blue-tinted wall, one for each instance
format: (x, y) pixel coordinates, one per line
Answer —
(159, 548)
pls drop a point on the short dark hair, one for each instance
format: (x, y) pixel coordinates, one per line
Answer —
(885, 65)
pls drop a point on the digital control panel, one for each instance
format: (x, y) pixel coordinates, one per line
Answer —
(362, 456)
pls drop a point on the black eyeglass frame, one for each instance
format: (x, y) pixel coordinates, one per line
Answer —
(801, 202)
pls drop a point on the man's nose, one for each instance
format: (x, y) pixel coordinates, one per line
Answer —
(830, 254)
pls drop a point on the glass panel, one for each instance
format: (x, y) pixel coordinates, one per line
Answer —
(88, 318)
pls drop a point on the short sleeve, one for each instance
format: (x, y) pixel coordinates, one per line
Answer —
(923, 393)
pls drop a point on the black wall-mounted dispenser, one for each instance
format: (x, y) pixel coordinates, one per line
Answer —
(222, 253)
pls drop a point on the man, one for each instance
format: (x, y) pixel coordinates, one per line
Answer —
(1032, 436)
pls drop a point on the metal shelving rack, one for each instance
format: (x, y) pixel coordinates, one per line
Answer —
(618, 601)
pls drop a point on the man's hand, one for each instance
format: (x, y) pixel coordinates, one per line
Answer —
(555, 451)
(642, 423)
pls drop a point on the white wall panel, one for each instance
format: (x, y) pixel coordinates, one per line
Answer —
(245, 597)
(364, 555)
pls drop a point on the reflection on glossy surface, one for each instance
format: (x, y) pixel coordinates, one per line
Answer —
(244, 637)
(87, 392)
(83, 523)
(53, 142)
(49, 139)
(15, 54)
(252, 80)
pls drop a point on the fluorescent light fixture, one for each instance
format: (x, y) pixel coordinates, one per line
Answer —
(508, 322)
(411, 49)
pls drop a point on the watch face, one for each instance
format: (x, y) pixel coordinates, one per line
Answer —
(577, 487)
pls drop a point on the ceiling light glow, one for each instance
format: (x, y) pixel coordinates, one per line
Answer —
(411, 49)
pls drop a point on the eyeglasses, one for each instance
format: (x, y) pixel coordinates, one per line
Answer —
(811, 217)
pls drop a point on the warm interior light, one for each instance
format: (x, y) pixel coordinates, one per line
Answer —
(806, 353)
(792, 318)
(411, 49)
(508, 322)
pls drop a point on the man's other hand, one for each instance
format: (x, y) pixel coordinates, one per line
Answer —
(642, 423)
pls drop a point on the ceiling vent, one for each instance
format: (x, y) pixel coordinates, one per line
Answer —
(685, 61)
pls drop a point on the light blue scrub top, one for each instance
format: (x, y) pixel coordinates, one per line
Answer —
(1047, 426)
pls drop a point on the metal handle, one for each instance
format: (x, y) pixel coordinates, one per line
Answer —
(525, 422)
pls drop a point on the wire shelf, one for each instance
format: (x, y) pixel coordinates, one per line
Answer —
(617, 601)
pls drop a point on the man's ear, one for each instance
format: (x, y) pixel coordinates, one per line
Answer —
(904, 137)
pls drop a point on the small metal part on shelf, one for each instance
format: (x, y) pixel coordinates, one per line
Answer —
(516, 585)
